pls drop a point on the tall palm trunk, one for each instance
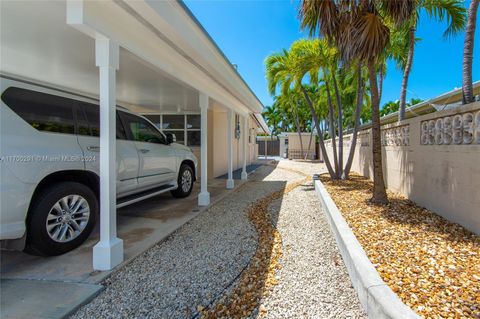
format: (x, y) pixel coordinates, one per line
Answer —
(358, 111)
(467, 87)
(332, 128)
(309, 144)
(340, 126)
(299, 131)
(406, 74)
(380, 83)
(379, 192)
(320, 134)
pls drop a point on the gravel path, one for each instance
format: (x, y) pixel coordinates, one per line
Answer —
(313, 281)
(193, 266)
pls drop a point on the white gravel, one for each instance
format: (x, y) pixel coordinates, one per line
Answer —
(194, 265)
(313, 281)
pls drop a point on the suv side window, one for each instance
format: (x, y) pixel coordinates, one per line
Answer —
(44, 112)
(138, 129)
(88, 121)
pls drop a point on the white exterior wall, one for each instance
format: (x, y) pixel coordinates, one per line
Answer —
(217, 151)
(218, 129)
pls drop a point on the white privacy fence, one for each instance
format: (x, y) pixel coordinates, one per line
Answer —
(461, 128)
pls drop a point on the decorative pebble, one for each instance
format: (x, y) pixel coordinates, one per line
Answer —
(432, 264)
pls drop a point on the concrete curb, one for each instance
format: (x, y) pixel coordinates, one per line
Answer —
(377, 299)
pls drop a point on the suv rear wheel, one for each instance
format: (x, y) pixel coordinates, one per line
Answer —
(185, 182)
(61, 219)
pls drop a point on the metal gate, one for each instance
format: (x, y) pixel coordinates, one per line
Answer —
(273, 147)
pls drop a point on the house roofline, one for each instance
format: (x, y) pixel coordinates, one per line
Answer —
(217, 48)
(420, 108)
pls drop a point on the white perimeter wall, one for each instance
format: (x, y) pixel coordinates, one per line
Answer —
(422, 161)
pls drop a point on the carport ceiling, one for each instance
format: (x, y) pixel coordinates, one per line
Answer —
(40, 46)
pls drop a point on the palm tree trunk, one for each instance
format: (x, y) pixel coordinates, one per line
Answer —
(467, 87)
(358, 111)
(332, 129)
(299, 131)
(379, 192)
(309, 144)
(380, 83)
(340, 126)
(406, 74)
(320, 135)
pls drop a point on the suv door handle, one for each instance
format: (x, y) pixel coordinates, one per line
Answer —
(143, 150)
(93, 148)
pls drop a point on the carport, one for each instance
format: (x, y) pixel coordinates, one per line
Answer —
(147, 56)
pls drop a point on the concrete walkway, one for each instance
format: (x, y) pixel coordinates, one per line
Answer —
(43, 299)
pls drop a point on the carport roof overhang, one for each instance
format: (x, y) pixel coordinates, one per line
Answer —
(163, 34)
(161, 42)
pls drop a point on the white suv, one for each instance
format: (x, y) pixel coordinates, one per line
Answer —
(49, 166)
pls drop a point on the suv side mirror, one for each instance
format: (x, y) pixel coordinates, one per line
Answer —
(170, 138)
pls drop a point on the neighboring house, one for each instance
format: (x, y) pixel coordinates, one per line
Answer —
(445, 101)
(151, 57)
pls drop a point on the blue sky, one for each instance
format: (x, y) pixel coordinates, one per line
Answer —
(248, 31)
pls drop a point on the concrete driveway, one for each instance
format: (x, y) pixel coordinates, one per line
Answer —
(29, 284)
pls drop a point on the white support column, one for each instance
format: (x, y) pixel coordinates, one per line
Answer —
(282, 146)
(245, 147)
(108, 252)
(204, 196)
(266, 147)
(230, 182)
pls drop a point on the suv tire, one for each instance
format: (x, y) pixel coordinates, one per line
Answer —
(185, 182)
(60, 219)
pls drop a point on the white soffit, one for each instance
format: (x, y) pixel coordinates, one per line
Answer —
(38, 45)
(138, 32)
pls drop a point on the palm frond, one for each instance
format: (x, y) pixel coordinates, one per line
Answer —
(452, 11)
(369, 38)
(319, 16)
(400, 11)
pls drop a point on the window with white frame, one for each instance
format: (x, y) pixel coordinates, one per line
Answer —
(186, 127)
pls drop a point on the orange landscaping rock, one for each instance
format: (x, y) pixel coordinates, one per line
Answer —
(432, 264)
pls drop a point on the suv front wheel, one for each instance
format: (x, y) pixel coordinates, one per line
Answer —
(60, 219)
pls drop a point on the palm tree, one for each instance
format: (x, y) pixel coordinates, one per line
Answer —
(467, 87)
(450, 10)
(289, 99)
(282, 70)
(317, 59)
(358, 110)
(360, 30)
(273, 118)
(393, 106)
(389, 107)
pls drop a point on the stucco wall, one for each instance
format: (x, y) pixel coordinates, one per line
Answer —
(218, 157)
(294, 144)
(444, 178)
